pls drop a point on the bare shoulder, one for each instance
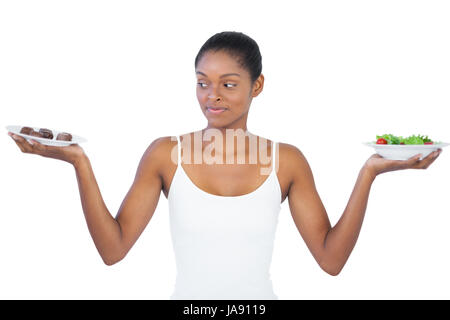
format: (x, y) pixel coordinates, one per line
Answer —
(293, 163)
(158, 154)
(291, 155)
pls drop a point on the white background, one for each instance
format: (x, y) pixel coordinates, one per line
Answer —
(121, 74)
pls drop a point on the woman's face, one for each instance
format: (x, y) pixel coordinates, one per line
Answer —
(223, 83)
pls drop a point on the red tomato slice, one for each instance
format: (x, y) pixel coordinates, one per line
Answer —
(431, 142)
(381, 141)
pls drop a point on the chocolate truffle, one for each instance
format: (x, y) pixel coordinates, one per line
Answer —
(36, 134)
(26, 130)
(46, 133)
(64, 136)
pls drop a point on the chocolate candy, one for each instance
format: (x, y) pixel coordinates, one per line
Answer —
(64, 136)
(46, 133)
(36, 134)
(26, 130)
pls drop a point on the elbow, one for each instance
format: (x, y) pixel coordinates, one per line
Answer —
(112, 254)
(332, 270)
(111, 260)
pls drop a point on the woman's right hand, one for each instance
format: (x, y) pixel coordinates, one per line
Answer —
(70, 153)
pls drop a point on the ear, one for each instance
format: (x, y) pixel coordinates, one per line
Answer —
(258, 86)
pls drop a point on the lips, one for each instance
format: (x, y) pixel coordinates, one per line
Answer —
(216, 108)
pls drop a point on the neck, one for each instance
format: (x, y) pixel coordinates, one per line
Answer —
(229, 139)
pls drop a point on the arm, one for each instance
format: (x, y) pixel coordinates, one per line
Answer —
(341, 239)
(331, 246)
(114, 237)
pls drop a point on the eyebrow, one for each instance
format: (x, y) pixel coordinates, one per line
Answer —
(224, 75)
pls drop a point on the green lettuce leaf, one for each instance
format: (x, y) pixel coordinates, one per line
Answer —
(413, 139)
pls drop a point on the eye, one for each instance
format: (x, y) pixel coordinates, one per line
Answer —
(201, 84)
(231, 84)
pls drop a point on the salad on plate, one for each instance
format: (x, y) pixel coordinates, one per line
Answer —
(394, 147)
(413, 139)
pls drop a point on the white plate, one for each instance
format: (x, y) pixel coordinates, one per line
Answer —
(49, 142)
(404, 151)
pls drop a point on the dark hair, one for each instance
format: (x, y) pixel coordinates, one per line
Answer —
(240, 46)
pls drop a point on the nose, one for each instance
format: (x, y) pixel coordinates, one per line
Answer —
(213, 94)
(214, 97)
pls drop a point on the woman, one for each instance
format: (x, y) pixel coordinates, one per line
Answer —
(223, 217)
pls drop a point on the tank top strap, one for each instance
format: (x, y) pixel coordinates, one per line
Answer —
(179, 149)
(274, 153)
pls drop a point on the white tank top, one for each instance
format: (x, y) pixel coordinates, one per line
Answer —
(223, 244)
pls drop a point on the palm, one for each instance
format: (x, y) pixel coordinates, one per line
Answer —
(63, 153)
(377, 164)
(68, 153)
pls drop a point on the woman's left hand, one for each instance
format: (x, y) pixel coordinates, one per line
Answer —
(376, 164)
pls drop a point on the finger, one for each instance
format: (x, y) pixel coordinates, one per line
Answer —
(425, 162)
(25, 145)
(413, 161)
(415, 157)
(20, 141)
(19, 144)
(37, 147)
(429, 159)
